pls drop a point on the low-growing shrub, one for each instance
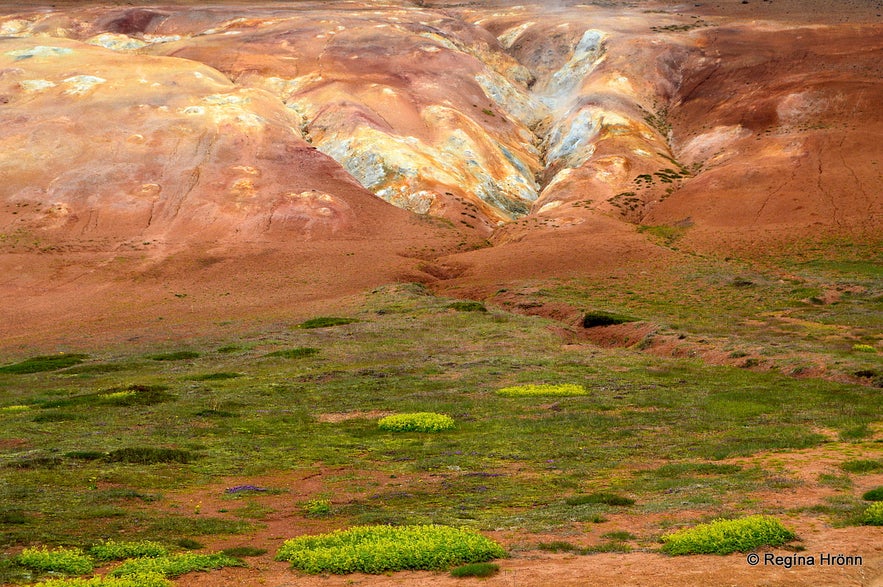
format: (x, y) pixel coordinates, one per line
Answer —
(85, 455)
(176, 356)
(323, 321)
(861, 466)
(599, 318)
(619, 535)
(416, 422)
(111, 550)
(36, 462)
(295, 353)
(378, 549)
(727, 536)
(99, 368)
(216, 376)
(72, 561)
(133, 395)
(864, 348)
(55, 417)
(13, 516)
(198, 526)
(44, 363)
(557, 546)
(245, 490)
(176, 565)
(856, 433)
(317, 507)
(476, 570)
(14, 409)
(213, 413)
(148, 455)
(563, 389)
(135, 580)
(601, 498)
(875, 494)
(467, 306)
(241, 551)
(873, 516)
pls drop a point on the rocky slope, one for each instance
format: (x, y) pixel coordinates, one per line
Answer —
(132, 134)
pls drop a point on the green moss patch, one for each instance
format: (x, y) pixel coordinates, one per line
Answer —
(176, 565)
(873, 516)
(325, 321)
(416, 422)
(71, 561)
(136, 580)
(295, 353)
(111, 550)
(564, 389)
(44, 363)
(379, 549)
(728, 536)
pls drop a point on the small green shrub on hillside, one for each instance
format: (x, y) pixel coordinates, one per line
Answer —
(176, 356)
(72, 561)
(862, 466)
(317, 507)
(873, 516)
(864, 348)
(14, 409)
(148, 455)
(727, 536)
(378, 549)
(85, 455)
(598, 318)
(875, 494)
(43, 363)
(557, 546)
(295, 353)
(467, 306)
(112, 550)
(133, 395)
(416, 422)
(323, 321)
(136, 580)
(13, 516)
(481, 570)
(241, 551)
(564, 389)
(602, 498)
(221, 376)
(176, 565)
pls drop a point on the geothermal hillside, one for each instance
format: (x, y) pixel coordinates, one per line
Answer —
(281, 153)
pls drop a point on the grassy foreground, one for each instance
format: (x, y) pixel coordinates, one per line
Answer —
(89, 448)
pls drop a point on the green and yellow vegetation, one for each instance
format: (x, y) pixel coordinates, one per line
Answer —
(727, 536)
(379, 549)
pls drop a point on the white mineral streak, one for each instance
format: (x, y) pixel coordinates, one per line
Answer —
(35, 85)
(81, 84)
